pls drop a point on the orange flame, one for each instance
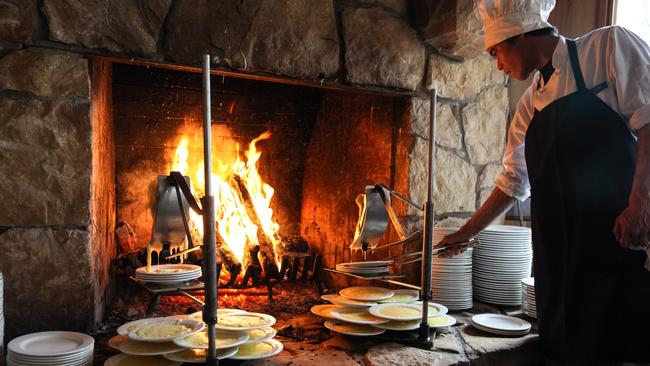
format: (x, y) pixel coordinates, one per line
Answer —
(234, 225)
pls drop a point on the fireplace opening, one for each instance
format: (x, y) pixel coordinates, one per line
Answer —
(313, 150)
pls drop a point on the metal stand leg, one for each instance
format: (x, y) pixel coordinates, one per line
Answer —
(154, 303)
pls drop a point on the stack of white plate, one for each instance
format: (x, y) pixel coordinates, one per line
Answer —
(500, 262)
(452, 277)
(168, 273)
(528, 306)
(366, 269)
(55, 348)
(501, 324)
(2, 319)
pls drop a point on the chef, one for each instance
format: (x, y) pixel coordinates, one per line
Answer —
(579, 146)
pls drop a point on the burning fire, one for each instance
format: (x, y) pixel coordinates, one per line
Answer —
(242, 199)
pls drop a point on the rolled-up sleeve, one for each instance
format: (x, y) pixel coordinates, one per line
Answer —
(629, 67)
(513, 180)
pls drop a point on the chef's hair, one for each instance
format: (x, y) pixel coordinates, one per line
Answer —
(536, 33)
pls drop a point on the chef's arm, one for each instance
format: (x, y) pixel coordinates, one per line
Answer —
(632, 227)
(497, 203)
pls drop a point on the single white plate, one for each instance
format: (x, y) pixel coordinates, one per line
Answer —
(261, 334)
(166, 269)
(357, 316)
(137, 348)
(224, 339)
(124, 329)
(501, 322)
(365, 264)
(254, 351)
(435, 309)
(358, 330)
(198, 355)
(344, 301)
(403, 296)
(325, 310)
(441, 321)
(507, 229)
(52, 343)
(220, 312)
(193, 325)
(366, 293)
(399, 325)
(229, 321)
(131, 360)
(500, 332)
(397, 311)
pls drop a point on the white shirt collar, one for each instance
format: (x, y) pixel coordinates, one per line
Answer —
(559, 62)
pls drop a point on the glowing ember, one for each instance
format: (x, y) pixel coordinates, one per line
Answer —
(239, 191)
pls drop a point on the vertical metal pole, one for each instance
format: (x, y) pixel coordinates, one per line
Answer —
(209, 233)
(427, 241)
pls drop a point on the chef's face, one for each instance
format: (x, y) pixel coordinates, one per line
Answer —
(513, 57)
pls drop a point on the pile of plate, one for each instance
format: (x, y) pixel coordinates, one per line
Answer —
(528, 305)
(364, 269)
(54, 348)
(367, 311)
(452, 277)
(167, 274)
(500, 262)
(239, 335)
(501, 324)
(2, 319)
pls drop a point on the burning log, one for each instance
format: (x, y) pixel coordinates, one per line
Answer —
(253, 269)
(229, 261)
(265, 246)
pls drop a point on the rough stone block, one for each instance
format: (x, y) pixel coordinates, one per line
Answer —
(49, 74)
(399, 6)
(396, 354)
(448, 132)
(48, 281)
(293, 37)
(484, 123)
(490, 171)
(455, 179)
(487, 349)
(18, 20)
(132, 27)
(453, 27)
(192, 31)
(46, 162)
(461, 80)
(298, 353)
(381, 49)
(448, 342)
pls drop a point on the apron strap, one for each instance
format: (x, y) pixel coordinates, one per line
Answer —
(575, 64)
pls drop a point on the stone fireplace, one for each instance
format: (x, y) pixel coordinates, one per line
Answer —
(341, 85)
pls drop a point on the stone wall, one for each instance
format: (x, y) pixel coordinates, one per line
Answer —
(51, 167)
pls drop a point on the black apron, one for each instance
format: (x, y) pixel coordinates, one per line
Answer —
(593, 297)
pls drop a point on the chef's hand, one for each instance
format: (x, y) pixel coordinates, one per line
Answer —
(632, 226)
(463, 235)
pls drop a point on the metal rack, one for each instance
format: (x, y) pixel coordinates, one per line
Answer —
(425, 338)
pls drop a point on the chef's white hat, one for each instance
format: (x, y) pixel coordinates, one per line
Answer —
(503, 19)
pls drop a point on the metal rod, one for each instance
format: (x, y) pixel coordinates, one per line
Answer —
(209, 232)
(429, 210)
(400, 196)
(186, 251)
(191, 297)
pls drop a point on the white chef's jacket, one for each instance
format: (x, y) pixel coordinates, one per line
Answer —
(612, 54)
